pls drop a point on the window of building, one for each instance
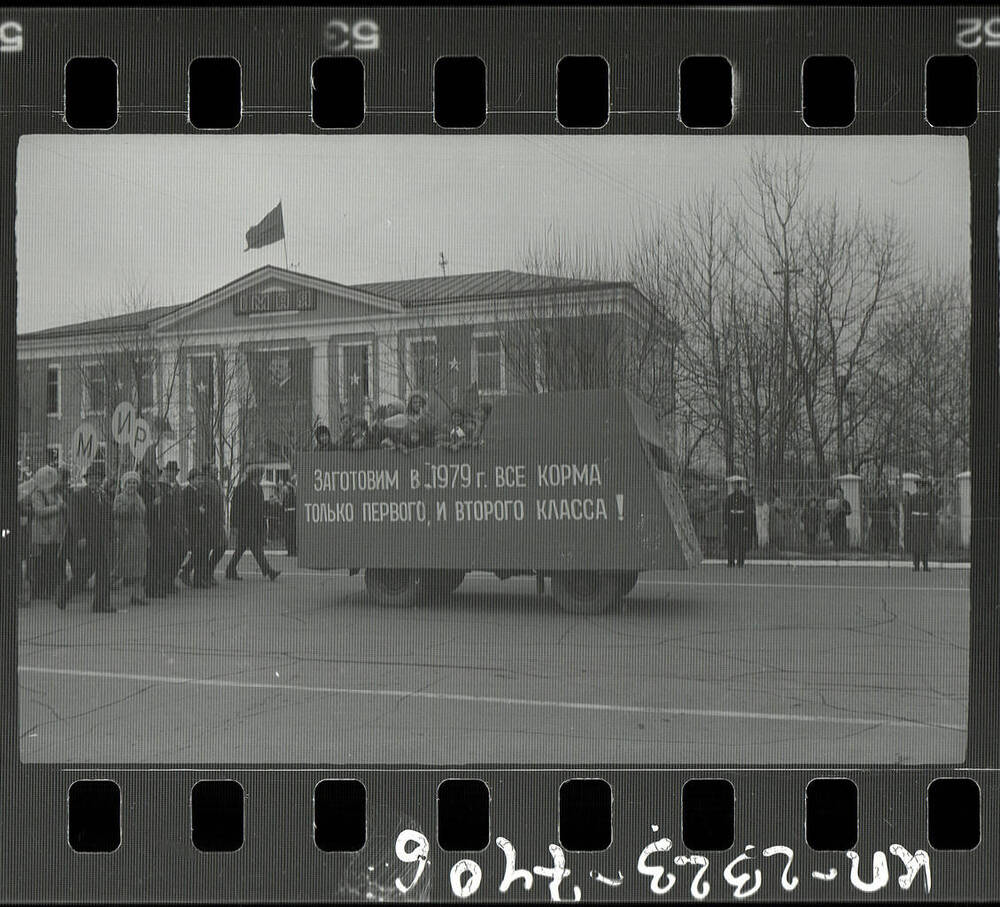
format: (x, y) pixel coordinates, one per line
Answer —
(357, 375)
(422, 365)
(201, 383)
(95, 389)
(53, 391)
(53, 454)
(488, 365)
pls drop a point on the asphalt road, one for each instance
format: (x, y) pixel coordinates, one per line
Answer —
(764, 665)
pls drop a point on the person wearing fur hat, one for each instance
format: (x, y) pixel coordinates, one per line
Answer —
(48, 526)
(131, 534)
(88, 540)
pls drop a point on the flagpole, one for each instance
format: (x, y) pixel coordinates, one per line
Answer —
(284, 240)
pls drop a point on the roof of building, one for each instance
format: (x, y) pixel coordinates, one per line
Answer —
(418, 291)
(128, 321)
(492, 284)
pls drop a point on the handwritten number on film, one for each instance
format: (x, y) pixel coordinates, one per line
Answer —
(745, 874)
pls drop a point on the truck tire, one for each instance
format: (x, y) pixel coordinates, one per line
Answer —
(440, 582)
(585, 591)
(625, 581)
(399, 588)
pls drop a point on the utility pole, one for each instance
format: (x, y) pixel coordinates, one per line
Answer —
(442, 264)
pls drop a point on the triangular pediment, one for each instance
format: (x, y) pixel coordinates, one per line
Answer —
(274, 296)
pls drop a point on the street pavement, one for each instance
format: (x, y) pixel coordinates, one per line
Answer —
(769, 664)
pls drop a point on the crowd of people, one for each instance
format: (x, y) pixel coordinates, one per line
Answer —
(144, 534)
(887, 524)
(397, 428)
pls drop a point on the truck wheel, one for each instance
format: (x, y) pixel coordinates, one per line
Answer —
(584, 591)
(440, 582)
(625, 581)
(399, 588)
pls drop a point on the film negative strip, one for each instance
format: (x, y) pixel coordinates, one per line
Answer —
(500, 454)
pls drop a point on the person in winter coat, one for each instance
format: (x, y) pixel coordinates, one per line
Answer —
(837, 520)
(812, 518)
(217, 540)
(736, 517)
(195, 504)
(421, 433)
(162, 518)
(22, 536)
(88, 541)
(247, 514)
(923, 517)
(131, 536)
(49, 514)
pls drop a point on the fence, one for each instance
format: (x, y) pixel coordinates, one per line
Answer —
(878, 524)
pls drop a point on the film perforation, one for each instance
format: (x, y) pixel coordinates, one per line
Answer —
(215, 98)
(706, 92)
(952, 82)
(828, 91)
(832, 814)
(463, 816)
(217, 816)
(94, 816)
(708, 814)
(91, 100)
(460, 92)
(338, 92)
(340, 814)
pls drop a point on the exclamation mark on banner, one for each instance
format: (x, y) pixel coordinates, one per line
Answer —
(620, 500)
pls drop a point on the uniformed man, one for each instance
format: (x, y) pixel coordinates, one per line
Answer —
(921, 523)
(736, 519)
(88, 542)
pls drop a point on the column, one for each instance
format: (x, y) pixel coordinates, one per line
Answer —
(851, 485)
(235, 370)
(173, 373)
(387, 379)
(965, 508)
(321, 381)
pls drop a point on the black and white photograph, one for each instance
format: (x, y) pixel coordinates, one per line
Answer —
(493, 450)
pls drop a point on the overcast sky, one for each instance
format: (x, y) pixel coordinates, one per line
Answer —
(96, 214)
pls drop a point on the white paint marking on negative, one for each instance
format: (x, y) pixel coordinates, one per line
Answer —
(493, 700)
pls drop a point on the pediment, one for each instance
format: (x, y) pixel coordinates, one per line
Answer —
(272, 297)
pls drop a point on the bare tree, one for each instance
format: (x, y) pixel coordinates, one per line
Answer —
(132, 367)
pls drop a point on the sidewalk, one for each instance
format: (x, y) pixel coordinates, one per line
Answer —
(791, 562)
(832, 562)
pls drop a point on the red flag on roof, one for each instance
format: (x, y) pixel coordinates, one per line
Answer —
(269, 230)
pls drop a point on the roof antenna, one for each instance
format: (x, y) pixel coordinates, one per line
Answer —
(442, 263)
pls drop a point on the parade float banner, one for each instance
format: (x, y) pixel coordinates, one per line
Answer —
(559, 481)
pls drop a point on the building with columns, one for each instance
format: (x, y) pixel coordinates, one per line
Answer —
(243, 374)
